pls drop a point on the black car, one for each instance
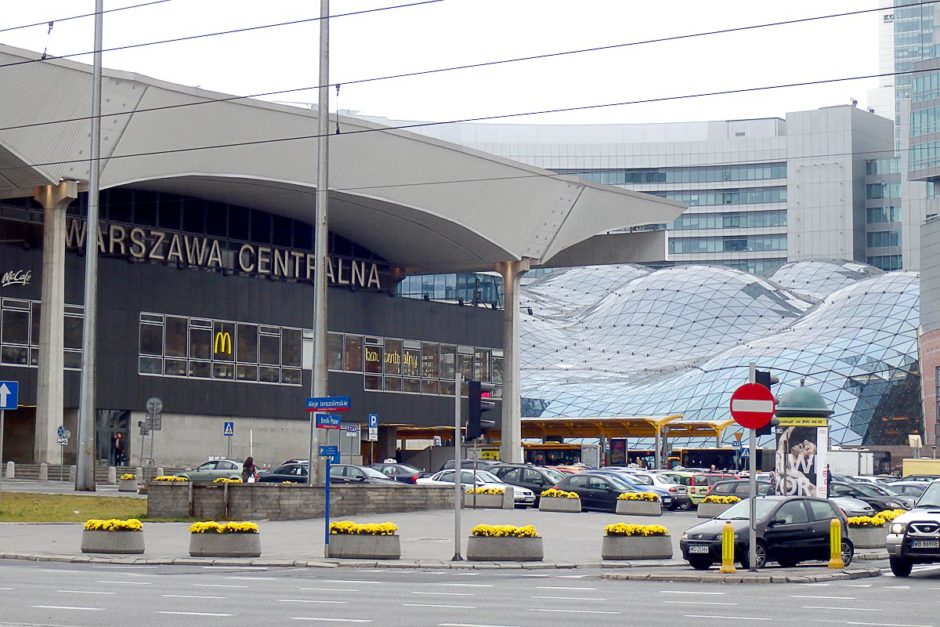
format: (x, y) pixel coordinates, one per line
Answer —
(597, 491)
(399, 472)
(481, 464)
(790, 529)
(295, 473)
(876, 496)
(349, 473)
(536, 478)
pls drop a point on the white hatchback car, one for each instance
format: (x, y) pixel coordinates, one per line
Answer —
(524, 497)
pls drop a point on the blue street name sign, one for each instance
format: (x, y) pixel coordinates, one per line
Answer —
(329, 403)
(332, 452)
(9, 394)
(228, 429)
(328, 421)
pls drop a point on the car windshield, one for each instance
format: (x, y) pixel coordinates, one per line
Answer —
(868, 490)
(554, 475)
(680, 479)
(931, 496)
(405, 469)
(742, 510)
(620, 483)
(373, 473)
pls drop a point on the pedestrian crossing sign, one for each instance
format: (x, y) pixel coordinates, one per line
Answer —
(229, 429)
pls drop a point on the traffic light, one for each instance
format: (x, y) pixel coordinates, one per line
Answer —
(480, 401)
(763, 377)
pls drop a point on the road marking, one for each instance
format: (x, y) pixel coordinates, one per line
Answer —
(232, 567)
(217, 585)
(332, 620)
(189, 596)
(543, 609)
(324, 602)
(726, 617)
(464, 585)
(451, 607)
(562, 588)
(570, 576)
(85, 592)
(68, 607)
(689, 592)
(572, 598)
(12, 588)
(447, 594)
(896, 587)
(841, 609)
(330, 590)
(374, 581)
(126, 583)
(857, 585)
(254, 578)
(194, 613)
(699, 603)
(813, 596)
(845, 622)
(472, 625)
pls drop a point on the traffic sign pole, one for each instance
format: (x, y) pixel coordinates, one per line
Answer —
(2, 412)
(326, 509)
(752, 480)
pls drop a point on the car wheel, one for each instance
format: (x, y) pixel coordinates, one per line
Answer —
(847, 551)
(760, 552)
(901, 567)
(699, 563)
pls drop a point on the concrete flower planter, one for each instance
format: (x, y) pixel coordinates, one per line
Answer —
(710, 510)
(117, 542)
(868, 537)
(636, 548)
(640, 508)
(127, 485)
(485, 549)
(225, 545)
(559, 505)
(489, 501)
(365, 547)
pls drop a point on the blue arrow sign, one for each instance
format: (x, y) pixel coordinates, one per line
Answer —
(373, 421)
(328, 421)
(9, 394)
(329, 403)
(228, 429)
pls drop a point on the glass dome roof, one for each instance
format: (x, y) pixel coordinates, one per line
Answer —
(625, 341)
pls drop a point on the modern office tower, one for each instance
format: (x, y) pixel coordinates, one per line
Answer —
(761, 192)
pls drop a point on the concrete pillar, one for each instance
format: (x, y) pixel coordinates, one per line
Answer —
(50, 397)
(11, 470)
(510, 449)
(112, 475)
(44, 471)
(388, 442)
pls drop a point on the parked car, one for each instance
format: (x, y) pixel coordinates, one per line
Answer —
(481, 464)
(852, 506)
(535, 478)
(213, 469)
(874, 495)
(597, 491)
(790, 529)
(399, 472)
(740, 488)
(913, 489)
(914, 536)
(678, 492)
(523, 497)
(295, 473)
(349, 473)
(699, 482)
(631, 479)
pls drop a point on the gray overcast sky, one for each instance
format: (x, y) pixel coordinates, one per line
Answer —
(458, 32)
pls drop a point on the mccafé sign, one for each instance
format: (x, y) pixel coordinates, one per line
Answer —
(147, 244)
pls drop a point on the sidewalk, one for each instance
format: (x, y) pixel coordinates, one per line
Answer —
(427, 541)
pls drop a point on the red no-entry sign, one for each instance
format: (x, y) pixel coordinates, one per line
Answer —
(752, 406)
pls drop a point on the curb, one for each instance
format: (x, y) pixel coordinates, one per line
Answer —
(746, 577)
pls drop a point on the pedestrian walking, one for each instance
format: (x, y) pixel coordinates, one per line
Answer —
(249, 470)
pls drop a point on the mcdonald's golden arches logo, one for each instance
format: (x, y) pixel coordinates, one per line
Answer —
(223, 343)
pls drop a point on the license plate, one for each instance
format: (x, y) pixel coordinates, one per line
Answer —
(925, 544)
(698, 548)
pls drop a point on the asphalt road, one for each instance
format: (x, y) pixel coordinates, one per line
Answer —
(96, 595)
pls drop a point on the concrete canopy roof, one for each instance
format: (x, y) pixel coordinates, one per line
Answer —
(422, 204)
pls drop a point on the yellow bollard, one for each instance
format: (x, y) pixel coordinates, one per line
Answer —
(835, 544)
(727, 549)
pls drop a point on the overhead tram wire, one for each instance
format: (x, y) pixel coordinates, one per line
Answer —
(504, 116)
(430, 71)
(78, 17)
(233, 31)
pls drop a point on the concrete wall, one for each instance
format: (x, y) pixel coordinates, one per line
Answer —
(257, 501)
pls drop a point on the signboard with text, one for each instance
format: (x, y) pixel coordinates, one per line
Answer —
(329, 403)
(328, 421)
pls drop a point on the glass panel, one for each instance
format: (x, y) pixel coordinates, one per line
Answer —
(200, 343)
(223, 371)
(268, 374)
(291, 347)
(248, 343)
(34, 332)
(176, 336)
(481, 365)
(352, 361)
(411, 359)
(373, 382)
(448, 362)
(374, 359)
(151, 339)
(447, 388)
(429, 360)
(393, 357)
(334, 350)
(223, 338)
(199, 369)
(150, 365)
(429, 387)
(411, 385)
(15, 327)
(72, 359)
(270, 349)
(246, 373)
(175, 367)
(291, 376)
(393, 384)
